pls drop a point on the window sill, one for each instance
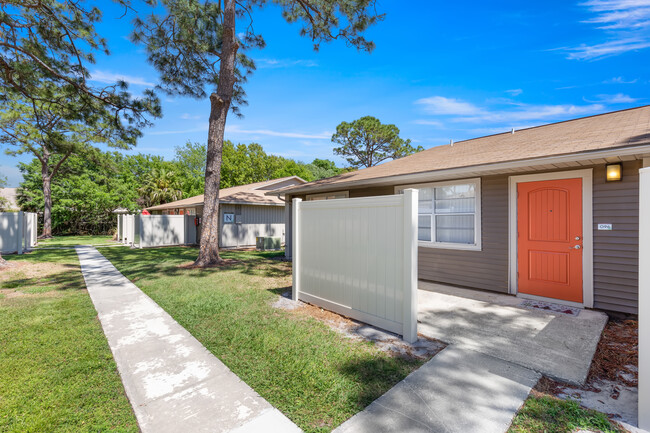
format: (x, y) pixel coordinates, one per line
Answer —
(449, 246)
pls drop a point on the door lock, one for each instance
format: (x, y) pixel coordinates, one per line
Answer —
(577, 238)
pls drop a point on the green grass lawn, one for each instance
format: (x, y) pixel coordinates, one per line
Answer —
(313, 374)
(543, 413)
(57, 372)
(70, 241)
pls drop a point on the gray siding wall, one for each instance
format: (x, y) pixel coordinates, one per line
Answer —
(615, 252)
(255, 221)
(486, 269)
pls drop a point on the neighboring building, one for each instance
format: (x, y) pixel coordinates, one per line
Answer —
(11, 195)
(550, 212)
(245, 211)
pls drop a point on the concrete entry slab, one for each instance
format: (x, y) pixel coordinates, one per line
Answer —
(173, 383)
(557, 345)
(458, 391)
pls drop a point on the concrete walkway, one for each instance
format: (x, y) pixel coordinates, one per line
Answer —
(458, 391)
(555, 344)
(174, 384)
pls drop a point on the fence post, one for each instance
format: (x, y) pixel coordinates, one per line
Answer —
(410, 296)
(644, 298)
(20, 223)
(296, 249)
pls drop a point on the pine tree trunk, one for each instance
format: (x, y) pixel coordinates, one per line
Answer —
(47, 209)
(219, 106)
(3, 262)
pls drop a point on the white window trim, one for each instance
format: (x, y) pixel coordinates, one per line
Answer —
(325, 194)
(587, 231)
(476, 246)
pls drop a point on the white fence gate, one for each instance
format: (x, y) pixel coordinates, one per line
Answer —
(18, 231)
(358, 257)
(144, 231)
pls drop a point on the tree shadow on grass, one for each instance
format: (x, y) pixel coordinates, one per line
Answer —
(377, 374)
(68, 279)
(154, 263)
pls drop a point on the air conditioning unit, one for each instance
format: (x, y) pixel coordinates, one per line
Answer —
(267, 243)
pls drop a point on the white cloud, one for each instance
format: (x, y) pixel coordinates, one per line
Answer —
(447, 106)
(319, 136)
(463, 111)
(606, 49)
(620, 80)
(236, 130)
(182, 131)
(428, 122)
(627, 23)
(515, 92)
(188, 116)
(618, 98)
(284, 63)
(111, 78)
(619, 14)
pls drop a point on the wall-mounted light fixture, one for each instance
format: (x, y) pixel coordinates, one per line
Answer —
(614, 172)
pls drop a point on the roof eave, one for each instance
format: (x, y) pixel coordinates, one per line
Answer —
(460, 171)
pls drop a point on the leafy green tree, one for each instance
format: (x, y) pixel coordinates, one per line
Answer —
(190, 166)
(86, 191)
(55, 41)
(4, 203)
(367, 142)
(161, 186)
(53, 132)
(196, 47)
(323, 168)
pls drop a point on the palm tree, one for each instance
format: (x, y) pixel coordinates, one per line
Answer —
(161, 186)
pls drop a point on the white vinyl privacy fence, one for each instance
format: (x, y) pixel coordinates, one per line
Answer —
(358, 257)
(18, 231)
(144, 231)
(644, 298)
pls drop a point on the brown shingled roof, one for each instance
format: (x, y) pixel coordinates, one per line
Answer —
(601, 132)
(252, 193)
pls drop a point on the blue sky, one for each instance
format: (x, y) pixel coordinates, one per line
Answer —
(440, 71)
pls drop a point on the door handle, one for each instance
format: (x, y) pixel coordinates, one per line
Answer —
(577, 247)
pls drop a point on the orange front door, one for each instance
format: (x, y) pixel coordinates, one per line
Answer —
(549, 249)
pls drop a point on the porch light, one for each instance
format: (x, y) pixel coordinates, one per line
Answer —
(614, 172)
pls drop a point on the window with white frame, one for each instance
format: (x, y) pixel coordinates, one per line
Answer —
(449, 214)
(328, 196)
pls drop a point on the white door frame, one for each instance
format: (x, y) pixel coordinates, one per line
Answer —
(587, 232)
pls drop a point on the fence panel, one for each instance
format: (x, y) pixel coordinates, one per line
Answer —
(166, 230)
(11, 232)
(31, 228)
(358, 257)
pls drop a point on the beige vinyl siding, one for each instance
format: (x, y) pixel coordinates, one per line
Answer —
(616, 252)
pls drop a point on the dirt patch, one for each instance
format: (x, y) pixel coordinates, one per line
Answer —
(424, 348)
(28, 270)
(28, 278)
(611, 385)
(225, 263)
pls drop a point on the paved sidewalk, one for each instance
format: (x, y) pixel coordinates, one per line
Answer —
(458, 391)
(173, 382)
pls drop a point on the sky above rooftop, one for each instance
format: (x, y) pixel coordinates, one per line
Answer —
(441, 71)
